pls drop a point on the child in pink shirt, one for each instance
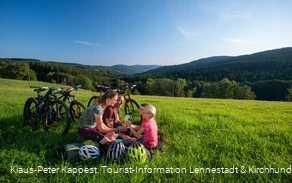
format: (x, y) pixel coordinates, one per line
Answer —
(149, 128)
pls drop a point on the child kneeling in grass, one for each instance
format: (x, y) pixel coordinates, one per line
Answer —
(148, 127)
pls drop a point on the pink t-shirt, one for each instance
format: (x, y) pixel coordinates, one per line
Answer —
(150, 133)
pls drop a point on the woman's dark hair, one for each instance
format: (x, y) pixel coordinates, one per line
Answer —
(108, 94)
(144, 104)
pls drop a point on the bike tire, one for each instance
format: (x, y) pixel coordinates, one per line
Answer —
(57, 118)
(76, 109)
(132, 108)
(91, 100)
(30, 113)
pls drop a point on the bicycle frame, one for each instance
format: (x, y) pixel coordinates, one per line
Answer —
(75, 107)
(53, 112)
(42, 101)
(121, 90)
(131, 107)
(127, 96)
(101, 87)
(66, 94)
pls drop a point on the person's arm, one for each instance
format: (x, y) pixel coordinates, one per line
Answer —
(108, 117)
(101, 126)
(117, 118)
(109, 122)
(109, 137)
(103, 139)
(138, 133)
(125, 137)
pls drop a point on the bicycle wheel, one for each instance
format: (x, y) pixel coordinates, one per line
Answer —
(57, 118)
(76, 109)
(30, 114)
(91, 100)
(132, 109)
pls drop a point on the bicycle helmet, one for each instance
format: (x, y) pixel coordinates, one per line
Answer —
(116, 150)
(137, 152)
(88, 152)
(148, 155)
(91, 142)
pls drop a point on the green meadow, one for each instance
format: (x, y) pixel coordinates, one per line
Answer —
(203, 140)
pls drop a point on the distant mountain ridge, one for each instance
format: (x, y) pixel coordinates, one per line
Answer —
(122, 70)
(266, 73)
(217, 60)
(118, 69)
(134, 69)
(115, 69)
(196, 63)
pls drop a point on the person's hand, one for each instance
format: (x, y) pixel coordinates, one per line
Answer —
(109, 137)
(123, 129)
(128, 123)
(133, 139)
(141, 136)
(110, 122)
(136, 127)
(126, 137)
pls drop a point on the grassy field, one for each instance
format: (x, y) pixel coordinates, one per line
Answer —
(204, 140)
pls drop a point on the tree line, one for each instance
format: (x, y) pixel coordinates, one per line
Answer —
(224, 89)
(53, 73)
(268, 79)
(153, 84)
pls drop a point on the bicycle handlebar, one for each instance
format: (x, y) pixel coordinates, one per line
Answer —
(127, 87)
(117, 88)
(77, 87)
(132, 86)
(68, 90)
(102, 86)
(42, 88)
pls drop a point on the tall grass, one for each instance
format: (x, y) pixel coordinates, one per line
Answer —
(204, 140)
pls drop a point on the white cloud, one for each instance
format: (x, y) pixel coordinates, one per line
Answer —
(187, 33)
(237, 40)
(225, 9)
(87, 43)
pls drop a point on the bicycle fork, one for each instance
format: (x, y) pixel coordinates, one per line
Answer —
(51, 114)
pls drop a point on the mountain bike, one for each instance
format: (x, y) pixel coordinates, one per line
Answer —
(102, 89)
(76, 107)
(53, 113)
(131, 107)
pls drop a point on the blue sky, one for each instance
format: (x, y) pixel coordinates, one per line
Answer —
(164, 32)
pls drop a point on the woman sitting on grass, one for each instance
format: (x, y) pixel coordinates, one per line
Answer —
(148, 127)
(90, 125)
(111, 118)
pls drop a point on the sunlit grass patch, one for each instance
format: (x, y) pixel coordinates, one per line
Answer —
(196, 133)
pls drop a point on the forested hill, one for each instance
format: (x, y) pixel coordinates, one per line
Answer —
(256, 62)
(265, 76)
(117, 70)
(268, 74)
(193, 64)
(134, 69)
(112, 71)
(269, 65)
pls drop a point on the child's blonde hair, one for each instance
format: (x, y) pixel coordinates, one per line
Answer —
(150, 109)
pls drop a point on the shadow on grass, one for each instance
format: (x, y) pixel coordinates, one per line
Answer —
(17, 137)
(22, 139)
